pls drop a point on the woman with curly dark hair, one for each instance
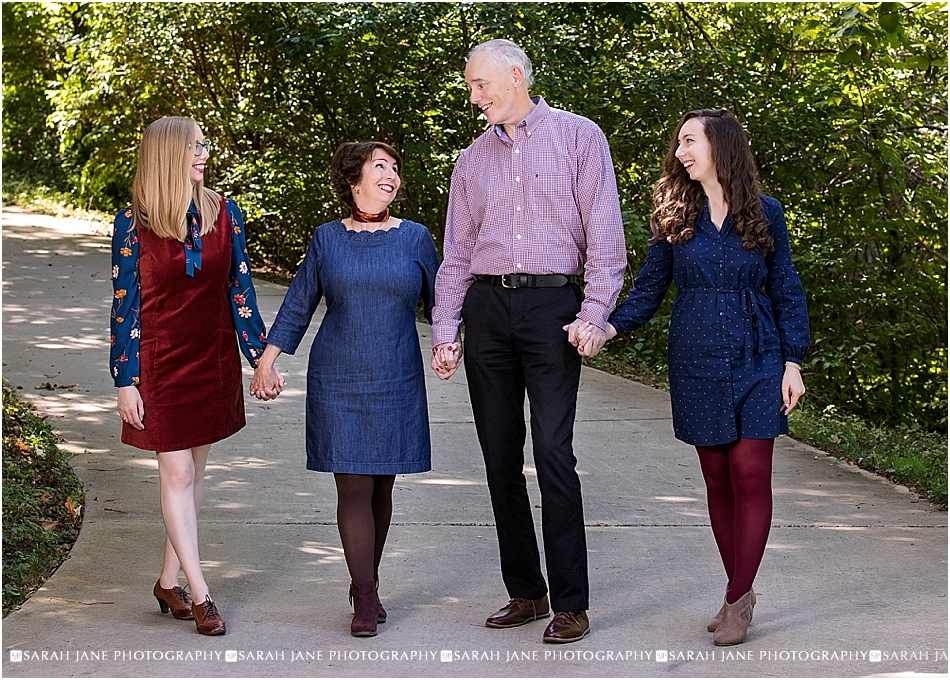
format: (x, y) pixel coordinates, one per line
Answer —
(738, 335)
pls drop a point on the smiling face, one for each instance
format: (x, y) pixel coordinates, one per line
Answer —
(197, 172)
(379, 182)
(495, 89)
(695, 152)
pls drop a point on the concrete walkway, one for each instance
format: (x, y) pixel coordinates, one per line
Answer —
(854, 580)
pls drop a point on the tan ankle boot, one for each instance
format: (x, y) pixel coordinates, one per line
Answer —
(735, 621)
(714, 621)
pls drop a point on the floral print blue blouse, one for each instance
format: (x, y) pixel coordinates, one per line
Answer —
(126, 303)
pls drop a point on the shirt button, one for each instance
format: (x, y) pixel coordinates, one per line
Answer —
(529, 133)
(518, 208)
(518, 237)
(517, 150)
(517, 266)
(517, 179)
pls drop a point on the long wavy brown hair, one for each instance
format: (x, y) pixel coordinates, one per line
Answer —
(678, 200)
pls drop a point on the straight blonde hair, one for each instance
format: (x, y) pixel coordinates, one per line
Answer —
(162, 190)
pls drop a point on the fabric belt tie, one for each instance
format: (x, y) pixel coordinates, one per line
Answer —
(750, 306)
(527, 280)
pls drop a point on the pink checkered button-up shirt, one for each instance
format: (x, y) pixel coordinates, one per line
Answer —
(544, 202)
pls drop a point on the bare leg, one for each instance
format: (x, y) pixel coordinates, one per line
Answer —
(181, 479)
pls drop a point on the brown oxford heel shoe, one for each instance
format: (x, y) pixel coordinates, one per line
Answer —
(207, 618)
(519, 611)
(567, 627)
(173, 599)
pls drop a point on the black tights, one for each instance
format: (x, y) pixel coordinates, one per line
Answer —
(363, 512)
(739, 494)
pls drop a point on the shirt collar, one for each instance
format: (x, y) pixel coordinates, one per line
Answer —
(533, 119)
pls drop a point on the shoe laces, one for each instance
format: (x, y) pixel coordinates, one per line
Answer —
(181, 594)
(211, 609)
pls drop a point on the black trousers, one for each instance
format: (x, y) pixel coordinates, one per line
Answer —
(514, 343)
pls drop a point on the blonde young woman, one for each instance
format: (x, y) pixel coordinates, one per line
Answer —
(183, 290)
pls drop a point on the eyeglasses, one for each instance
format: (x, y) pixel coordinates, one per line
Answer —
(205, 145)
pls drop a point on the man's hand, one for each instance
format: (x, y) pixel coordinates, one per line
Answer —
(588, 338)
(446, 359)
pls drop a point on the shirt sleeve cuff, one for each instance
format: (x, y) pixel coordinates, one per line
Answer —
(443, 332)
(593, 316)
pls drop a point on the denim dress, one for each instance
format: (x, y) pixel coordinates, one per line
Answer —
(366, 397)
(737, 317)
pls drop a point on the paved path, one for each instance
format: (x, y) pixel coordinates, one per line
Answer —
(855, 565)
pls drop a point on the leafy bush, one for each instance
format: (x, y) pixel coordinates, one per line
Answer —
(42, 501)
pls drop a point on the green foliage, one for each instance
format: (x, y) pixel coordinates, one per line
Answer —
(42, 501)
(916, 459)
(31, 59)
(845, 104)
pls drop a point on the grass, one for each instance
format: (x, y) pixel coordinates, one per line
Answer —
(42, 501)
(907, 456)
(913, 458)
(46, 201)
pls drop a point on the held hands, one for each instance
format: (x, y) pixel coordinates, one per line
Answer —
(267, 382)
(131, 407)
(588, 338)
(792, 386)
(446, 359)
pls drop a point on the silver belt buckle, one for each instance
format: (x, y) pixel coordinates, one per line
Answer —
(506, 280)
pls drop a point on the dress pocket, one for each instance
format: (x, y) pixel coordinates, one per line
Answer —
(229, 363)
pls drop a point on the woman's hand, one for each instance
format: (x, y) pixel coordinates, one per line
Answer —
(131, 407)
(588, 338)
(446, 359)
(792, 386)
(267, 382)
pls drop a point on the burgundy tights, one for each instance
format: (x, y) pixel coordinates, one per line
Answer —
(739, 494)
(363, 512)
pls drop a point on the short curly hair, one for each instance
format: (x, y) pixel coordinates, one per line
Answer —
(346, 168)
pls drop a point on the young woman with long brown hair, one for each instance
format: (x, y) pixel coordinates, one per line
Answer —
(738, 335)
(182, 291)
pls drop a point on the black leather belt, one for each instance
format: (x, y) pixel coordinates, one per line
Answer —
(527, 280)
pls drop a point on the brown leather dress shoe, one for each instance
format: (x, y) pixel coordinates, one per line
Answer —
(174, 599)
(567, 627)
(519, 611)
(207, 618)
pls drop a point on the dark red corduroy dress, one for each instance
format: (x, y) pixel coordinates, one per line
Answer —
(190, 369)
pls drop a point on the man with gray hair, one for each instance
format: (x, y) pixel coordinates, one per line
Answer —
(532, 206)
